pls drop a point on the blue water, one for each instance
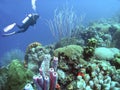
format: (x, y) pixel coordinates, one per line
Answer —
(16, 10)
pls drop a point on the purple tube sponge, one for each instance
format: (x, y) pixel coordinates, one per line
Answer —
(41, 72)
(55, 63)
(28, 87)
(45, 65)
(54, 80)
(51, 70)
(40, 81)
(35, 80)
(46, 83)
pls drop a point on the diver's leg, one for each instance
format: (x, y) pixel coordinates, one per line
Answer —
(19, 26)
(21, 30)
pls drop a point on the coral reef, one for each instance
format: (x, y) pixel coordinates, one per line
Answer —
(90, 48)
(83, 60)
(3, 78)
(17, 76)
(104, 32)
(103, 53)
(70, 60)
(116, 38)
(72, 52)
(47, 77)
(33, 45)
(14, 76)
(34, 55)
(68, 41)
(116, 60)
(97, 76)
(77, 74)
(103, 27)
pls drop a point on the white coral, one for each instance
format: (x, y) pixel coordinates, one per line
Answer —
(103, 53)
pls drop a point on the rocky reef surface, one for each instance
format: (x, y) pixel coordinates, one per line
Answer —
(88, 60)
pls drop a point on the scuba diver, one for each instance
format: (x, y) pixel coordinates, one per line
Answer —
(30, 20)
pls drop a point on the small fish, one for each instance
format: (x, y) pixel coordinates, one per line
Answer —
(80, 74)
(9, 27)
(58, 87)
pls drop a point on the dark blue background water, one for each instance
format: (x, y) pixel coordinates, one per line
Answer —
(15, 11)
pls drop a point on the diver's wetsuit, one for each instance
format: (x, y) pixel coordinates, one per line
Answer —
(30, 21)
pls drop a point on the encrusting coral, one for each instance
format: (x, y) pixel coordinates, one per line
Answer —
(34, 55)
(116, 60)
(70, 60)
(33, 45)
(72, 52)
(90, 48)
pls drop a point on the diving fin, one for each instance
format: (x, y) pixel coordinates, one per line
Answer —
(8, 34)
(9, 27)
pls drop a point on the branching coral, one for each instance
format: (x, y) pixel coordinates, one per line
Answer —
(64, 21)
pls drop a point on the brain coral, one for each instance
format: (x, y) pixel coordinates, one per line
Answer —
(73, 52)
